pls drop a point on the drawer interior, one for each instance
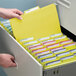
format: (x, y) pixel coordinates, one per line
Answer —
(7, 26)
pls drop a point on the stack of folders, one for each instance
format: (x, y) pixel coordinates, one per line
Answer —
(51, 51)
(6, 25)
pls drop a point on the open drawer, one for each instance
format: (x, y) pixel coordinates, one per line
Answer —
(27, 65)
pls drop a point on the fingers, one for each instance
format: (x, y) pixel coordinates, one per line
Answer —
(17, 11)
(9, 65)
(7, 60)
(16, 16)
(11, 13)
(12, 62)
(12, 58)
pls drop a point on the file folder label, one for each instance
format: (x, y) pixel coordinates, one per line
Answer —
(52, 63)
(34, 45)
(48, 59)
(27, 39)
(45, 38)
(58, 48)
(66, 42)
(47, 41)
(74, 50)
(46, 55)
(50, 42)
(4, 22)
(54, 45)
(30, 42)
(66, 53)
(42, 49)
(60, 38)
(65, 58)
(41, 46)
(55, 35)
(42, 53)
(70, 45)
(58, 51)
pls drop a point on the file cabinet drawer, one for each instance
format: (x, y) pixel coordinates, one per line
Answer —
(26, 64)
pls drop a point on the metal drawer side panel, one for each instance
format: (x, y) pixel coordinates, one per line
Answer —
(27, 65)
(67, 15)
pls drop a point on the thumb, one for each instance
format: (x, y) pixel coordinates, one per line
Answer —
(17, 16)
(13, 64)
(12, 59)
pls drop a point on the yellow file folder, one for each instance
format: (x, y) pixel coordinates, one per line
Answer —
(38, 23)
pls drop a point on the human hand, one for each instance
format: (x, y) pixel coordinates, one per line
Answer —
(7, 60)
(10, 13)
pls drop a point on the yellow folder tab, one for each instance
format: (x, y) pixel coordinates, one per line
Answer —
(38, 23)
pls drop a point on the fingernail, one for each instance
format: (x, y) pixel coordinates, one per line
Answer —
(21, 18)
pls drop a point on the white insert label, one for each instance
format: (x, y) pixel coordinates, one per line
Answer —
(46, 52)
(42, 56)
(65, 58)
(61, 50)
(30, 42)
(27, 39)
(31, 46)
(65, 42)
(55, 35)
(47, 41)
(49, 59)
(51, 42)
(36, 47)
(51, 46)
(60, 38)
(43, 49)
(62, 54)
(57, 49)
(70, 45)
(52, 63)
(74, 50)
(44, 38)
